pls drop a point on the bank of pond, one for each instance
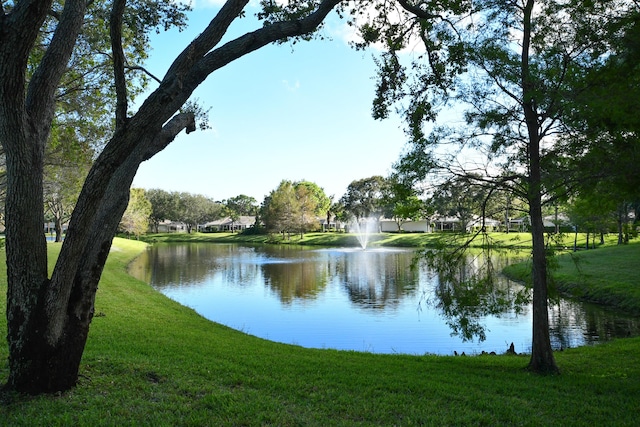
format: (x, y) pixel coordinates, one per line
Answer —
(377, 300)
(152, 361)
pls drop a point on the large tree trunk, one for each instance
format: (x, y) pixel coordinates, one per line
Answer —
(49, 358)
(35, 360)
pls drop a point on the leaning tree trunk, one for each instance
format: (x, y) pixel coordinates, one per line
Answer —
(66, 306)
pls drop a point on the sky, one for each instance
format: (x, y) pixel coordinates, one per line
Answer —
(283, 112)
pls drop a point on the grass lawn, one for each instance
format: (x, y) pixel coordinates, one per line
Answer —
(152, 362)
(504, 240)
(608, 276)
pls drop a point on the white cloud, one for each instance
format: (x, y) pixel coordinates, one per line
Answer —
(291, 87)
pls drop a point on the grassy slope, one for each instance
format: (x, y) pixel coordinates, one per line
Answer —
(150, 361)
(608, 276)
(511, 240)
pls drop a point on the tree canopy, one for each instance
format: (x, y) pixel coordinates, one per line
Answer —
(364, 197)
(294, 207)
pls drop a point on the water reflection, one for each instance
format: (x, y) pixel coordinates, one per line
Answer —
(375, 279)
(596, 324)
(470, 288)
(299, 279)
(362, 300)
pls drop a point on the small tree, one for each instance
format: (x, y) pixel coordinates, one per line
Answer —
(400, 202)
(364, 197)
(61, 187)
(164, 206)
(242, 205)
(313, 203)
(281, 209)
(135, 220)
(196, 209)
(238, 206)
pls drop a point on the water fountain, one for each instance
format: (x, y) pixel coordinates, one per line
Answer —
(363, 229)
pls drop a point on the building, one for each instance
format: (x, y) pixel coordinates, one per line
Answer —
(228, 224)
(168, 226)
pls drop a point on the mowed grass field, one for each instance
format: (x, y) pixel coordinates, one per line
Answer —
(152, 362)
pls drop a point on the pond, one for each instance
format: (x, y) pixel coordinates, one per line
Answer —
(350, 299)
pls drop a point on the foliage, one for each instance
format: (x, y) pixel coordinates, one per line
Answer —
(280, 210)
(135, 219)
(294, 207)
(85, 98)
(164, 206)
(461, 198)
(313, 196)
(519, 64)
(241, 205)
(364, 197)
(196, 209)
(409, 208)
(68, 165)
(429, 30)
(603, 109)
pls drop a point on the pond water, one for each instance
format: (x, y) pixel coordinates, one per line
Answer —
(350, 299)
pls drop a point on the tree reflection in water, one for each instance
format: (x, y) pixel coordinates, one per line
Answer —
(377, 279)
(470, 287)
(383, 300)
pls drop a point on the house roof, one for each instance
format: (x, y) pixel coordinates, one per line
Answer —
(242, 220)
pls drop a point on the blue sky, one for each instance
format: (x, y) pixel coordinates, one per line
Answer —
(282, 112)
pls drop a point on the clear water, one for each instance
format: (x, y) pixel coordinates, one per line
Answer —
(350, 299)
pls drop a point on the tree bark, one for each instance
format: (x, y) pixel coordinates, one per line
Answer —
(58, 228)
(542, 359)
(25, 122)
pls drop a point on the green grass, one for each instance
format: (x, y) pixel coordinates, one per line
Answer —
(608, 276)
(504, 240)
(151, 362)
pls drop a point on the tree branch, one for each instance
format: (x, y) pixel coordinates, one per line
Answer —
(208, 39)
(115, 32)
(40, 95)
(146, 133)
(144, 70)
(416, 10)
(169, 132)
(112, 206)
(260, 38)
(187, 72)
